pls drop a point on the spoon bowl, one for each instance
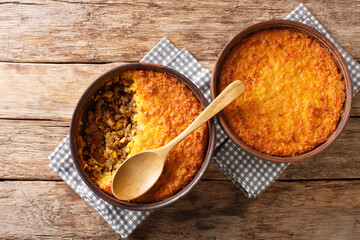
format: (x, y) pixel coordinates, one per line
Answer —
(141, 171)
(138, 174)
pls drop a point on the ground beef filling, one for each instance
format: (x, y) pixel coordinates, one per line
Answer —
(109, 127)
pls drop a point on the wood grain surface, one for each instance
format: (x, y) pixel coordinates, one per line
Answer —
(296, 210)
(51, 50)
(110, 30)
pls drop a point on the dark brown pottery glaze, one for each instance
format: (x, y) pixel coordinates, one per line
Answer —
(325, 42)
(84, 103)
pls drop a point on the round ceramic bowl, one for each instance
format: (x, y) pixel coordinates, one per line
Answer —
(325, 43)
(84, 103)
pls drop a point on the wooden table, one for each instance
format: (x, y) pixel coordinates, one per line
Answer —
(52, 50)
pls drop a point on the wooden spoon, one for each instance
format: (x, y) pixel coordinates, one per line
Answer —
(140, 171)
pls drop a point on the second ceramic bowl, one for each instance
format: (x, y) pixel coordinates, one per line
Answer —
(325, 42)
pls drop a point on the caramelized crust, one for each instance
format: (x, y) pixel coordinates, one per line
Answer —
(294, 93)
(165, 108)
(146, 109)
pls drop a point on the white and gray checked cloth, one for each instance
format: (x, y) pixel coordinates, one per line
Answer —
(250, 174)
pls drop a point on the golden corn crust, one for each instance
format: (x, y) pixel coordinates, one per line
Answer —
(146, 110)
(165, 108)
(294, 93)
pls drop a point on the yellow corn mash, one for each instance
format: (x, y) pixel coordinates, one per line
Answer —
(294, 92)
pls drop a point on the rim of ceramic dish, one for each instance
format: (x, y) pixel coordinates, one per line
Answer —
(325, 42)
(76, 120)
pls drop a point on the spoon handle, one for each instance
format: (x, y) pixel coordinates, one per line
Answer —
(230, 93)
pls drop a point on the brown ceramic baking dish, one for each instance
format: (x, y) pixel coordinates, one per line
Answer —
(83, 105)
(342, 68)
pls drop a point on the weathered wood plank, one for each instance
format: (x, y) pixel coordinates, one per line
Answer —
(25, 146)
(51, 91)
(109, 31)
(213, 210)
(44, 91)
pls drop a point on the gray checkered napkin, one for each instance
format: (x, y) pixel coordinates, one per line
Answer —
(250, 174)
